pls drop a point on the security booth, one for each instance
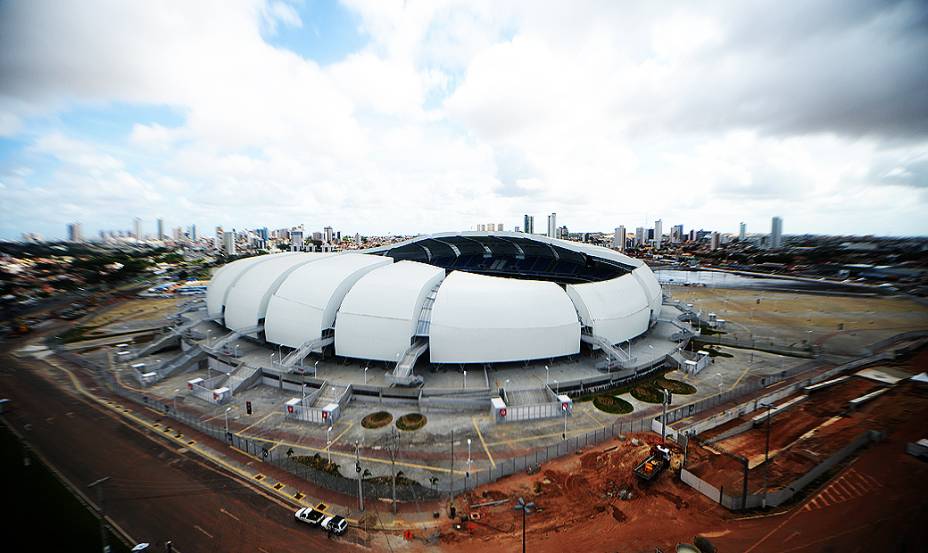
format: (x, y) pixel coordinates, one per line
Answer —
(294, 408)
(498, 409)
(330, 414)
(567, 404)
(222, 395)
(193, 383)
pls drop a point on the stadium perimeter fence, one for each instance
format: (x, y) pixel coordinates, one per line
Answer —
(445, 483)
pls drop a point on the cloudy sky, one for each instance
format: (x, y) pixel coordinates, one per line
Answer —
(401, 117)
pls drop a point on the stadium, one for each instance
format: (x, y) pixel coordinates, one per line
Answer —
(497, 298)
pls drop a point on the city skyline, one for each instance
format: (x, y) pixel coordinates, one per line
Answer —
(373, 116)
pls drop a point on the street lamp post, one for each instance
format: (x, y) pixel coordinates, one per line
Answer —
(465, 378)
(557, 387)
(328, 443)
(227, 419)
(467, 472)
(357, 468)
(316, 369)
(365, 375)
(546, 375)
(769, 406)
(564, 408)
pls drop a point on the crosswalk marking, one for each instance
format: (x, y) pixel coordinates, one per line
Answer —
(850, 485)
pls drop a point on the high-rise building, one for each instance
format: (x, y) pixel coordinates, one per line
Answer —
(676, 234)
(529, 224)
(491, 227)
(161, 229)
(742, 232)
(75, 234)
(552, 225)
(618, 240)
(776, 233)
(137, 228)
(658, 233)
(639, 237)
(328, 234)
(296, 239)
(228, 243)
(499, 227)
(714, 241)
(193, 233)
(178, 234)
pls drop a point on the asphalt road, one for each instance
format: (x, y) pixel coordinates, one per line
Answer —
(156, 492)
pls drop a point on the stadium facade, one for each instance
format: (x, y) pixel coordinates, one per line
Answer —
(468, 297)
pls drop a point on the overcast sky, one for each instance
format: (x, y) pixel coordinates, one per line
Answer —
(423, 116)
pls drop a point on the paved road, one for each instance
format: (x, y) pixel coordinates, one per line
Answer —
(156, 491)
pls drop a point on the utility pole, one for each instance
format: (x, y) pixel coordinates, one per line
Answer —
(393, 447)
(99, 485)
(766, 456)
(451, 506)
(664, 416)
(357, 468)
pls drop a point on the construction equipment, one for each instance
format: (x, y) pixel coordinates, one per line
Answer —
(657, 461)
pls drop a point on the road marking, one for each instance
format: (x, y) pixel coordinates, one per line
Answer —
(259, 421)
(228, 514)
(743, 373)
(482, 442)
(340, 434)
(573, 432)
(352, 456)
(205, 533)
(594, 419)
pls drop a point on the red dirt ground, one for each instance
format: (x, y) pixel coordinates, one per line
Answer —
(582, 491)
(834, 429)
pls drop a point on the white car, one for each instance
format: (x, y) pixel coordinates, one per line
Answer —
(335, 524)
(310, 516)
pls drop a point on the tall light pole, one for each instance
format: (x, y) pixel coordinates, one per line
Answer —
(546, 375)
(176, 391)
(465, 378)
(564, 409)
(557, 387)
(365, 375)
(328, 442)
(525, 508)
(316, 369)
(467, 472)
(357, 468)
(103, 538)
(769, 406)
(227, 419)
(664, 415)
(720, 381)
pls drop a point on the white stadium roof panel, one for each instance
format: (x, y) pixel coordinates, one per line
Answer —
(247, 299)
(378, 317)
(306, 302)
(226, 277)
(479, 318)
(617, 309)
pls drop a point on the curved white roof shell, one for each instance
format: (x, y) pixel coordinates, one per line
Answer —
(247, 299)
(617, 309)
(375, 303)
(226, 277)
(379, 315)
(306, 302)
(479, 318)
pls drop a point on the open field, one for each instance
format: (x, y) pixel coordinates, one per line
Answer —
(840, 323)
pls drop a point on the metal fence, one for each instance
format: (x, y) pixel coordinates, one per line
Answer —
(447, 483)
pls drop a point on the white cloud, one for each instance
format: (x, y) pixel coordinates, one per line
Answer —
(458, 113)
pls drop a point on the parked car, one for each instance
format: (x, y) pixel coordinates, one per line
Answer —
(310, 516)
(335, 524)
